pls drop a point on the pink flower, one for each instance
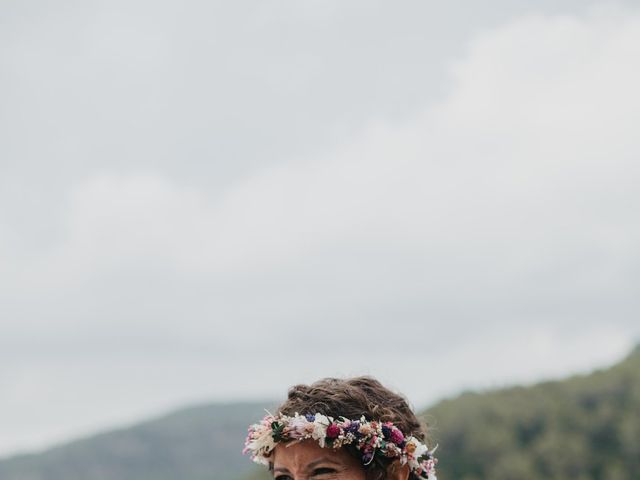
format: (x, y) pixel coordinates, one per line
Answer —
(297, 427)
(333, 431)
(396, 436)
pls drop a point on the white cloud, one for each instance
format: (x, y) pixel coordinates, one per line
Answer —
(500, 220)
(528, 167)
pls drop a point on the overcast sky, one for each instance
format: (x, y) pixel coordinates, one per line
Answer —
(206, 200)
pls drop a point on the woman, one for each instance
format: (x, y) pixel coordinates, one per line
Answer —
(342, 429)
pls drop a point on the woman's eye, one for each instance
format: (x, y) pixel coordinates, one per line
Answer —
(316, 472)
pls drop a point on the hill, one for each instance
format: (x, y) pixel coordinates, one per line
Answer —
(584, 427)
(199, 443)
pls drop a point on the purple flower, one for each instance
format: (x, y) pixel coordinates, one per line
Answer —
(354, 427)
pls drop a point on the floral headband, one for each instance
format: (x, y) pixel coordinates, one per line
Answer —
(373, 439)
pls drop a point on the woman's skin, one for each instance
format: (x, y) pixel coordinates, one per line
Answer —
(306, 460)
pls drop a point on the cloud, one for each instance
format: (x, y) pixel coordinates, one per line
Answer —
(525, 174)
(499, 221)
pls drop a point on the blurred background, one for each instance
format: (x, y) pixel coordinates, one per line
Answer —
(205, 202)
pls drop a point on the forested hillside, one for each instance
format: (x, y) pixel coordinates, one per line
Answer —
(199, 443)
(585, 427)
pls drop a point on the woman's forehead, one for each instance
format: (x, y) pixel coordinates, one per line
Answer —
(306, 452)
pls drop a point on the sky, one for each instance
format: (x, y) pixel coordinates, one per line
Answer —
(211, 201)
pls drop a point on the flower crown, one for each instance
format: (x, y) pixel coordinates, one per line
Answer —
(372, 438)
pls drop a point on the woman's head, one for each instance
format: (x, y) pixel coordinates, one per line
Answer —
(375, 446)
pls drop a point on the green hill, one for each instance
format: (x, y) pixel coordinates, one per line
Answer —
(199, 443)
(584, 427)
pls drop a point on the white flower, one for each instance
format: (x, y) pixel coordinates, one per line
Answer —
(261, 442)
(320, 428)
(419, 448)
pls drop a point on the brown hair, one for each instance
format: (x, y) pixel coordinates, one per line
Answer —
(351, 398)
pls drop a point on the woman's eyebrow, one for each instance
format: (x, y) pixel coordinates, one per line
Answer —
(322, 460)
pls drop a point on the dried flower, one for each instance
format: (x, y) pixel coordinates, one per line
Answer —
(371, 438)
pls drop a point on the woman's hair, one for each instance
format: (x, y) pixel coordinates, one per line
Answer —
(351, 398)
